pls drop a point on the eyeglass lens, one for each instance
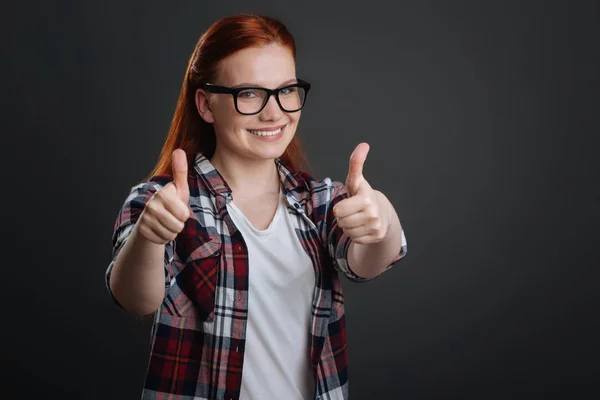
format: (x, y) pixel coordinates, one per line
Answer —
(252, 100)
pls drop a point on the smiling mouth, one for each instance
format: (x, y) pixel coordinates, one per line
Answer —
(265, 132)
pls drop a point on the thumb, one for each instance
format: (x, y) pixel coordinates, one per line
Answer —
(179, 167)
(355, 168)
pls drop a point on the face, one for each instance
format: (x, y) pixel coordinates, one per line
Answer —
(271, 67)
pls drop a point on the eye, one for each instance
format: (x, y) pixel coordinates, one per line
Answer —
(247, 94)
(288, 90)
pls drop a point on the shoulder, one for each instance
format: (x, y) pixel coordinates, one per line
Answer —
(143, 191)
(155, 183)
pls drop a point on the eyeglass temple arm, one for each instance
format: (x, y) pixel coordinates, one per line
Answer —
(216, 88)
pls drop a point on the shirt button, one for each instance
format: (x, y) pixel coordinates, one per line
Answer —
(239, 247)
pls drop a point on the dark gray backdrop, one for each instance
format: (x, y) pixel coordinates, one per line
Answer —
(480, 117)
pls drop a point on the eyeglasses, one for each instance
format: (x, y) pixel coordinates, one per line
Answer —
(250, 100)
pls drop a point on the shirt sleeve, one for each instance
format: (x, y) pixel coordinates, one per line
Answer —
(338, 242)
(125, 222)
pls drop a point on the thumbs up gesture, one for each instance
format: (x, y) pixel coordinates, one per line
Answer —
(165, 213)
(365, 215)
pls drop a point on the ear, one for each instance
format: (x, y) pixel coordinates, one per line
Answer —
(203, 106)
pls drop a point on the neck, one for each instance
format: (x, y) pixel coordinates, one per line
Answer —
(247, 177)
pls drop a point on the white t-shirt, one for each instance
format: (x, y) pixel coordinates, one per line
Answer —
(282, 280)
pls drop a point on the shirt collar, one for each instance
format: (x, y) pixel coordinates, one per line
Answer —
(217, 185)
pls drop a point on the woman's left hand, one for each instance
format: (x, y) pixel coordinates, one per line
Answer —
(365, 216)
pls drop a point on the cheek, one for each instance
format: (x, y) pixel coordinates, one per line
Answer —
(227, 120)
(294, 118)
(222, 109)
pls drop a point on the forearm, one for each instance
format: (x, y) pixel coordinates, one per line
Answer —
(370, 260)
(137, 279)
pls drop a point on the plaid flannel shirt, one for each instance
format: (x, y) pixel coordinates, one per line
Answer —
(198, 334)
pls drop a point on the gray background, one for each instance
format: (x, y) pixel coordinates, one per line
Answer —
(480, 117)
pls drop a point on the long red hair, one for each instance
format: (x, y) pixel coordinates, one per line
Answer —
(188, 130)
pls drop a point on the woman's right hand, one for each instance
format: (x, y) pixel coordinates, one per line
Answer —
(165, 213)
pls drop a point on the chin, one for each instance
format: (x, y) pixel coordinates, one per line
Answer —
(271, 150)
(271, 153)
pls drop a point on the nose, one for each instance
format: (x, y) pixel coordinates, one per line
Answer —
(271, 112)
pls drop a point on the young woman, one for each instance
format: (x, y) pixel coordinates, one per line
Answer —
(233, 246)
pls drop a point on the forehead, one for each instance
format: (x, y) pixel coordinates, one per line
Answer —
(267, 66)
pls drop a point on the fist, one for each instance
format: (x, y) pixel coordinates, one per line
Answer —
(165, 213)
(364, 216)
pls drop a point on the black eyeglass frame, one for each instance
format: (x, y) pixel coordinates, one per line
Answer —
(234, 91)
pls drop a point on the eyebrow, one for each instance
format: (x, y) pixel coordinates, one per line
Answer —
(288, 82)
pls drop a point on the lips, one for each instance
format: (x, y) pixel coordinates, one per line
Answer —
(268, 135)
(269, 131)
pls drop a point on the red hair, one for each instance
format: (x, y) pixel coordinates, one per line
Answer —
(188, 130)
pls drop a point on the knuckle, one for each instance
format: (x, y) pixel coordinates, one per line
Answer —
(159, 195)
(143, 231)
(184, 210)
(153, 205)
(168, 188)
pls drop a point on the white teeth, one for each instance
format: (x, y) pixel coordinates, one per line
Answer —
(265, 133)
